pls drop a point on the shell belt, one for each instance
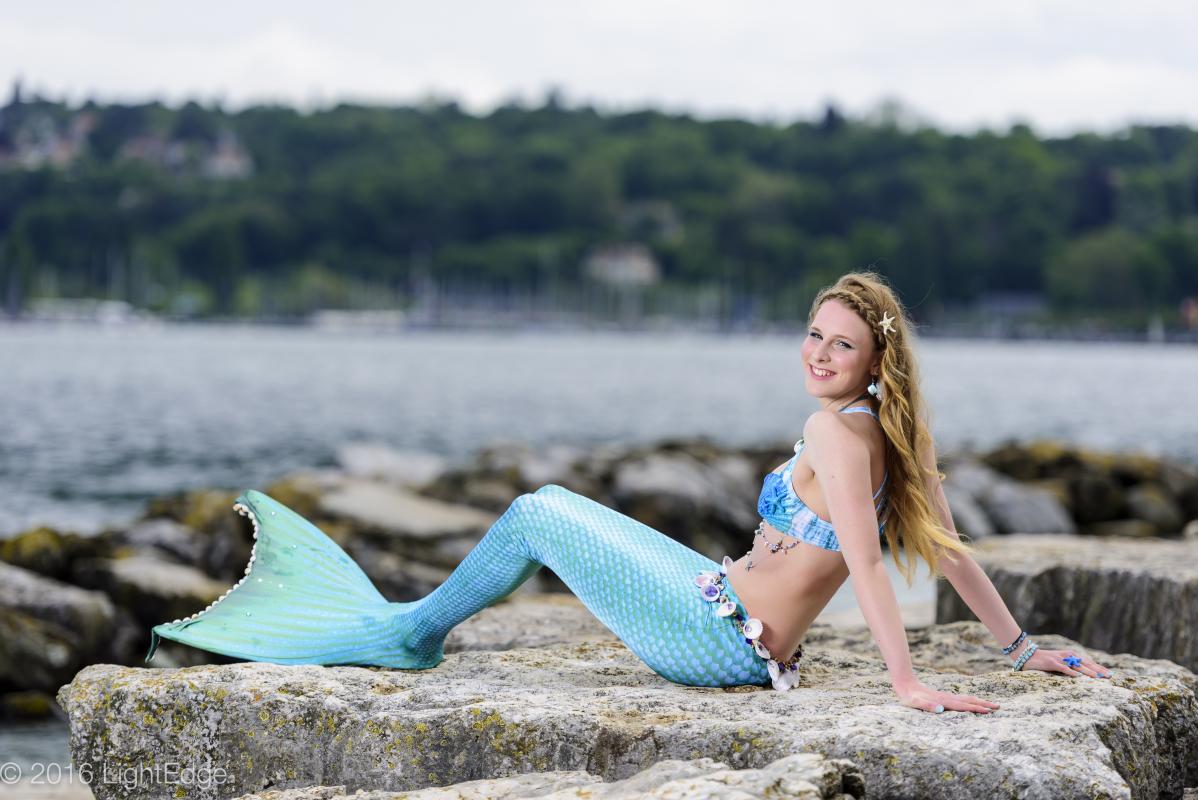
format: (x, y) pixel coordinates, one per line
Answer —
(783, 674)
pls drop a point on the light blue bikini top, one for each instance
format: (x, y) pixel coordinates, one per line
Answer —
(781, 507)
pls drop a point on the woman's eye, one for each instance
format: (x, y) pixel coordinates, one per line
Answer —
(839, 341)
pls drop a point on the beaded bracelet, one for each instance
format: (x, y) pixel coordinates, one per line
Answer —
(1023, 657)
(1011, 647)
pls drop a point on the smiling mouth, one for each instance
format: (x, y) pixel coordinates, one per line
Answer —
(816, 372)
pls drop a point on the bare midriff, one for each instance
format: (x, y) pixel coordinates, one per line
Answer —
(786, 590)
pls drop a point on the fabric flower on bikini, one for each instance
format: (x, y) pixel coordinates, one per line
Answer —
(771, 503)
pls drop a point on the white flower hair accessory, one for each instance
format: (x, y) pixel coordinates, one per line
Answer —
(885, 324)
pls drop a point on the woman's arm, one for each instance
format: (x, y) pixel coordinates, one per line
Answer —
(977, 590)
(966, 577)
(974, 586)
(840, 460)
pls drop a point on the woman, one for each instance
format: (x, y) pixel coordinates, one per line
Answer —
(304, 601)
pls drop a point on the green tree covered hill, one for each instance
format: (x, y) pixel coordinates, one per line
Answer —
(274, 211)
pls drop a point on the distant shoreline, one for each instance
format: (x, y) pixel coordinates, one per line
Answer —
(996, 332)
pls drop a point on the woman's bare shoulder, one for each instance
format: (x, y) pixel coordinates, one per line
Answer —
(834, 429)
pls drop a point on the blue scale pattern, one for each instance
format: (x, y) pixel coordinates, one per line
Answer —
(303, 600)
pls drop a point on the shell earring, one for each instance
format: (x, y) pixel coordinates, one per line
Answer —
(875, 388)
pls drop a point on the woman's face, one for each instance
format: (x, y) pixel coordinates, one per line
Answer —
(838, 342)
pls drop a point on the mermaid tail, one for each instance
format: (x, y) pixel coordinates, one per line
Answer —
(304, 601)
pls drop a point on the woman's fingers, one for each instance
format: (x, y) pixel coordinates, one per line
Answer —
(967, 702)
(1088, 666)
(1065, 668)
(937, 702)
(926, 704)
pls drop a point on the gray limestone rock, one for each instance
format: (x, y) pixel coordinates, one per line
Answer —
(1118, 594)
(802, 776)
(593, 706)
(673, 490)
(969, 517)
(378, 461)
(396, 512)
(1012, 507)
(152, 588)
(49, 629)
(89, 616)
(167, 536)
(1152, 503)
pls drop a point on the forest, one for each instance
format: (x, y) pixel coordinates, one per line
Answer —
(276, 211)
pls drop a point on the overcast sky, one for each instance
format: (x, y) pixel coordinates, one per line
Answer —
(1058, 66)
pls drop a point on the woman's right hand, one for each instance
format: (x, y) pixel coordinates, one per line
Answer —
(925, 698)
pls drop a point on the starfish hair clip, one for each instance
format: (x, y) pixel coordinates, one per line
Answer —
(886, 323)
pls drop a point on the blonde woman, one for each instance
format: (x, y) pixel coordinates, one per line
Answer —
(303, 600)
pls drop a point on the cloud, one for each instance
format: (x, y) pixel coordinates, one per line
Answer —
(1050, 62)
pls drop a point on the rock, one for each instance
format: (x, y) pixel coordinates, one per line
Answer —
(1096, 497)
(1017, 508)
(1026, 461)
(677, 492)
(595, 706)
(502, 472)
(1178, 478)
(153, 589)
(49, 552)
(26, 705)
(969, 476)
(406, 543)
(397, 512)
(200, 510)
(227, 536)
(529, 619)
(1133, 468)
(34, 653)
(491, 494)
(527, 469)
(380, 462)
(1127, 528)
(802, 776)
(1117, 594)
(166, 536)
(968, 516)
(1011, 506)
(399, 578)
(87, 620)
(1151, 503)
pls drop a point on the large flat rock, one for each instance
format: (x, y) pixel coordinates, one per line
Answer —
(593, 706)
(803, 776)
(399, 512)
(1118, 594)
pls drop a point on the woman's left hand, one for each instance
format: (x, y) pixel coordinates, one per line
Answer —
(1054, 661)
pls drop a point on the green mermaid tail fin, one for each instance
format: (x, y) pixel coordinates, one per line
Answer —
(302, 600)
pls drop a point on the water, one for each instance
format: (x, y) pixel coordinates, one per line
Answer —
(95, 420)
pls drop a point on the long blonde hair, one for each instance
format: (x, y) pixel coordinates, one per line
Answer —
(909, 511)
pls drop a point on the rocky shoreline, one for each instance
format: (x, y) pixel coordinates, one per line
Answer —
(590, 705)
(70, 604)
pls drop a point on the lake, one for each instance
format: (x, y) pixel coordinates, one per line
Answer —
(94, 420)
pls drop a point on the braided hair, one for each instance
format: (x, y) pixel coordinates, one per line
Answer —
(911, 521)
